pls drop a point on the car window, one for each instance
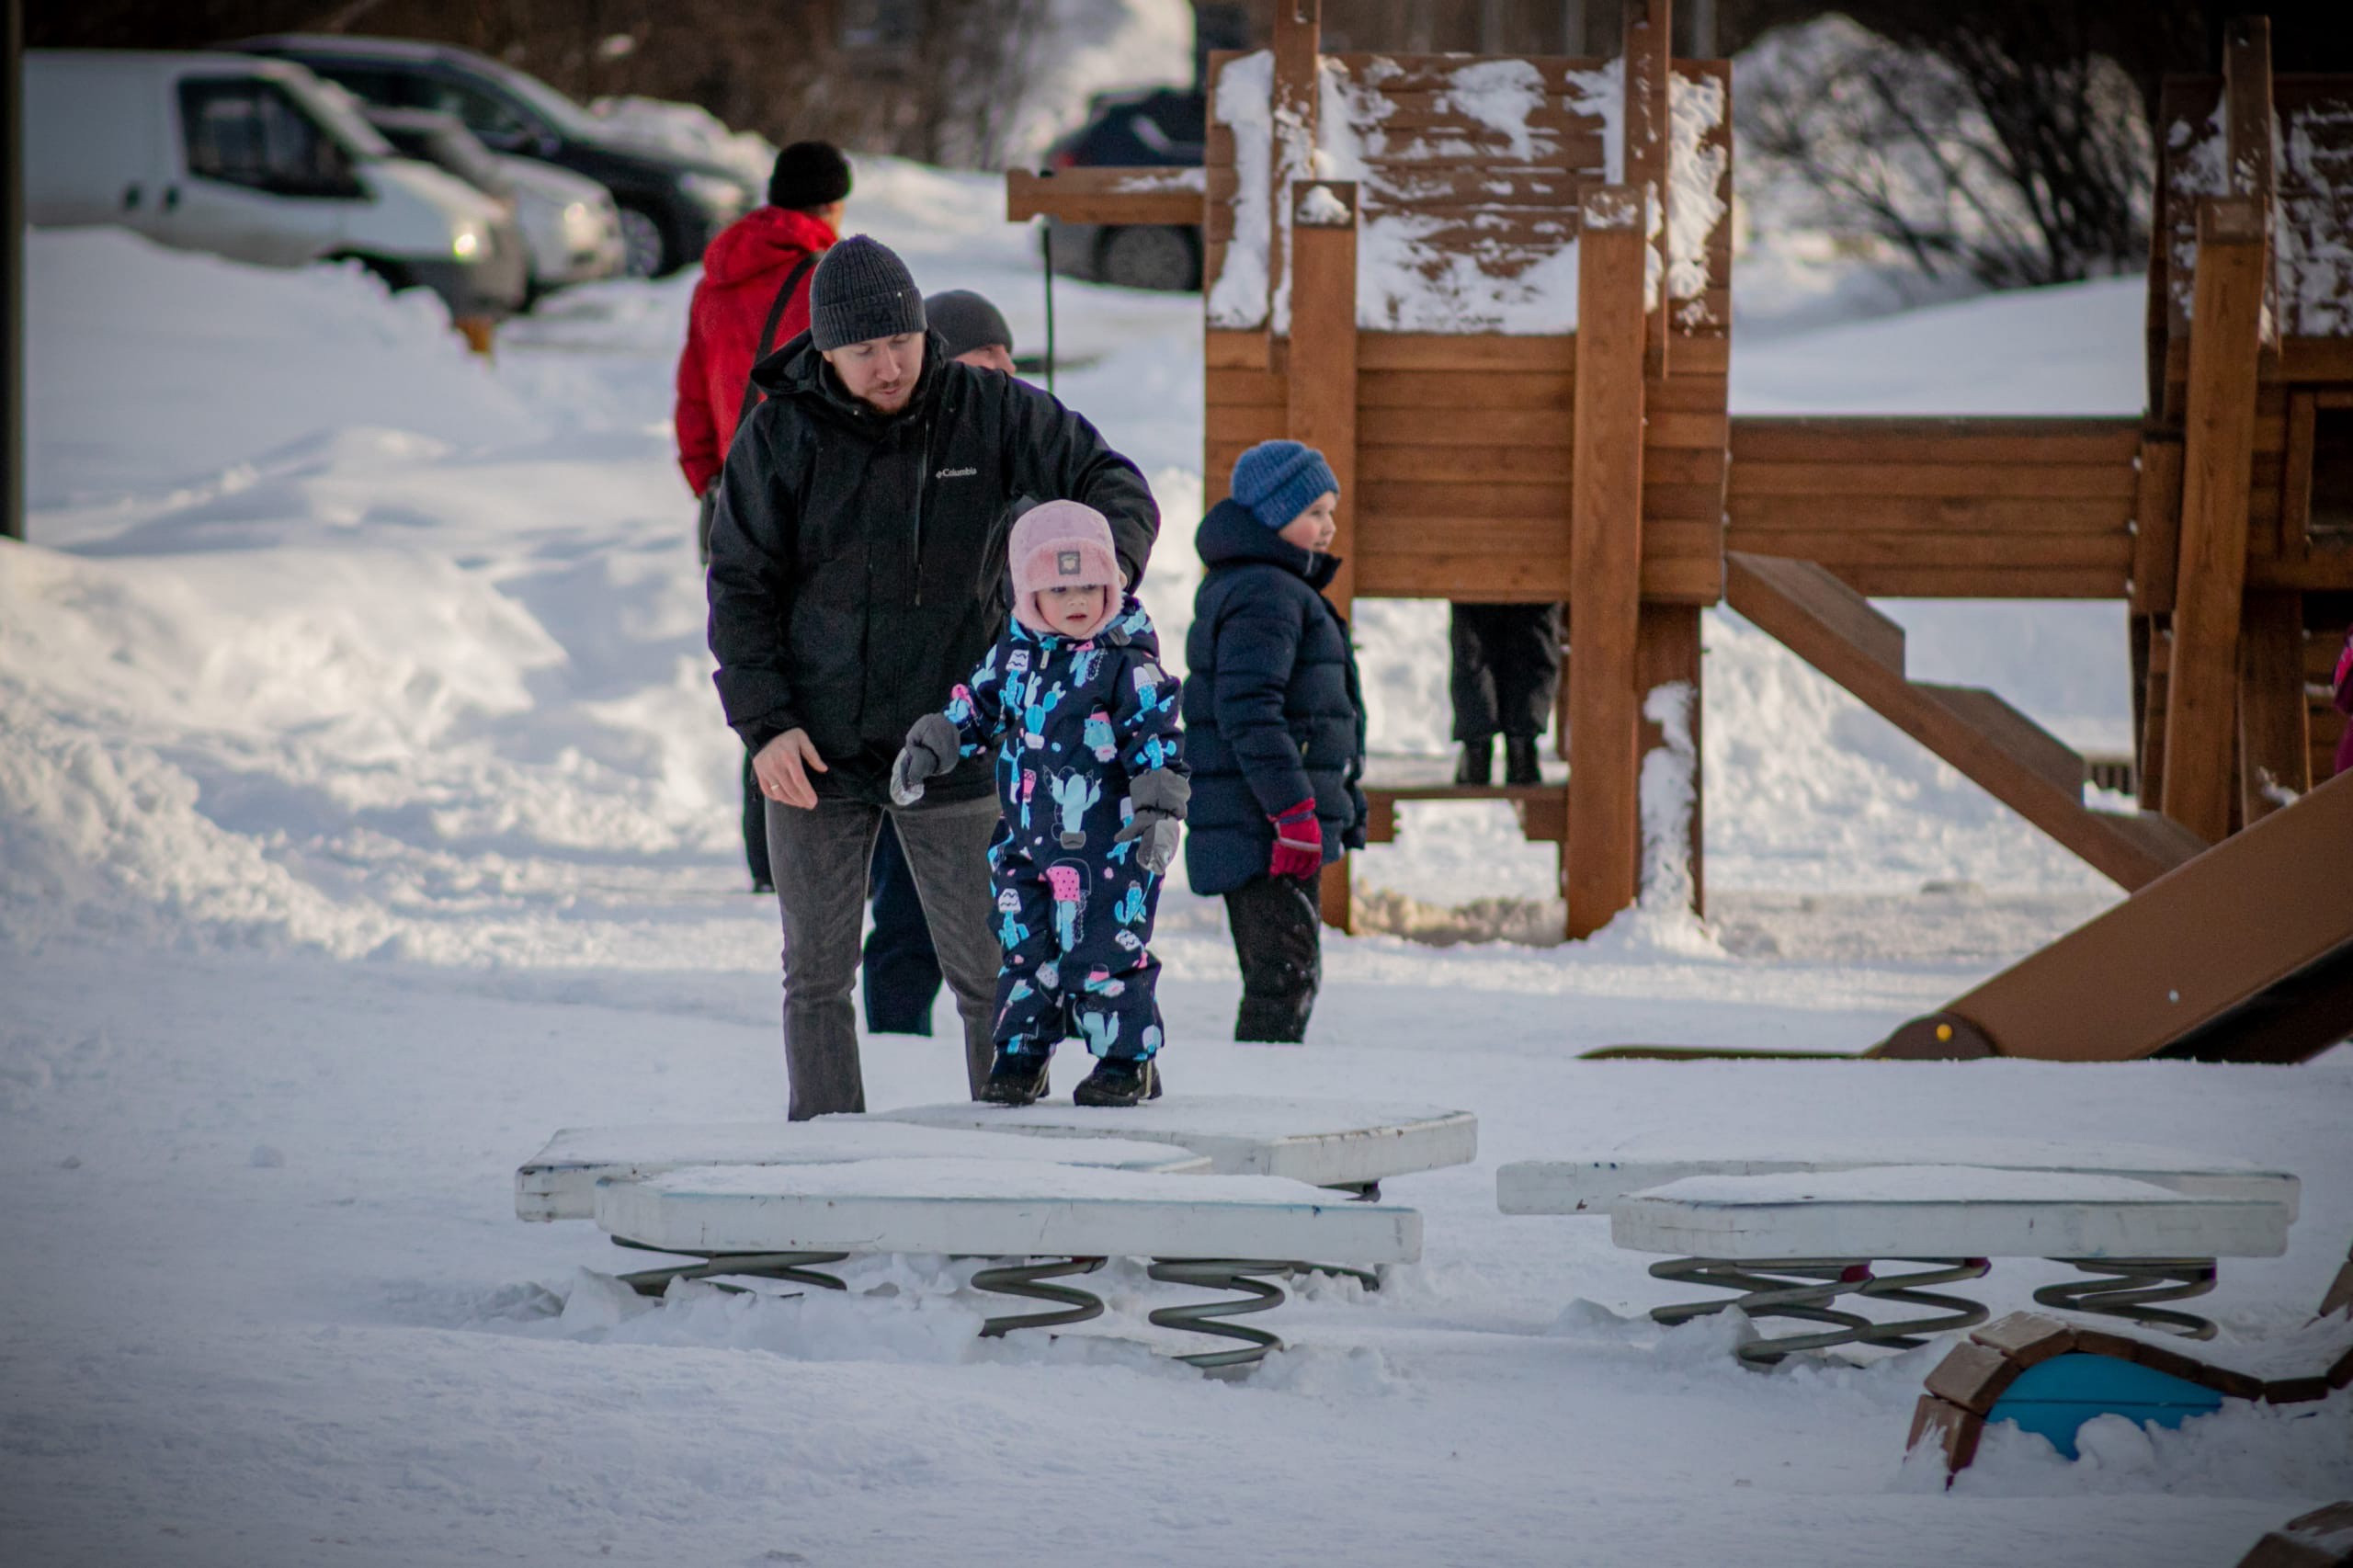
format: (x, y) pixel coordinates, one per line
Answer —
(1182, 117)
(485, 114)
(335, 106)
(250, 132)
(550, 105)
(392, 89)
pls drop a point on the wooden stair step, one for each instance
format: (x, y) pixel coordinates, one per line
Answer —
(1811, 590)
(2158, 835)
(2013, 759)
(2002, 725)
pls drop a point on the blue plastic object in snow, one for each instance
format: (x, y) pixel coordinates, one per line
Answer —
(2057, 1397)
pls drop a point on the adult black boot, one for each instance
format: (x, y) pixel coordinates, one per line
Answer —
(1119, 1080)
(1478, 764)
(1520, 760)
(1016, 1077)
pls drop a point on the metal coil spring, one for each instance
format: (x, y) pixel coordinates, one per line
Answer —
(2122, 1287)
(1028, 1279)
(788, 1266)
(1803, 1287)
(1259, 1295)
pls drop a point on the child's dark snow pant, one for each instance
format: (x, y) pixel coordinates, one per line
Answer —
(1277, 935)
(901, 971)
(1074, 932)
(1506, 669)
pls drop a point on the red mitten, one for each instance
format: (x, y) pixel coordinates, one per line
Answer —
(1299, 842)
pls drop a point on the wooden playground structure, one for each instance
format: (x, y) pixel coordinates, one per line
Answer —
(1574, 443)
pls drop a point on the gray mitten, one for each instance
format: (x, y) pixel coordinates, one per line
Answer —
(1159, 798)
(932, 749)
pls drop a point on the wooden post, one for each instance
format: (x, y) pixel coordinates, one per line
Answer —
(1649, 66)
(1323, 381)
(2218, 466)
(2156, 524)
(2275, 733)
(2247, 128)
(1667, 651)
(1299, 28)
(2157, 662)
(1605, 559)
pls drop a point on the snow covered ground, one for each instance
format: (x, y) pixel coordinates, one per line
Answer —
(365, 815)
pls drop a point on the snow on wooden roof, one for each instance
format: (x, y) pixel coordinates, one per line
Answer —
(1470, 176)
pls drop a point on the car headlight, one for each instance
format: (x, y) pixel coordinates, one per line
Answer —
(467, 243)
(723, 198)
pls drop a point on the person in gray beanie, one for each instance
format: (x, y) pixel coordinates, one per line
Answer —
(899, 967)
(972, 328)
(858, 568)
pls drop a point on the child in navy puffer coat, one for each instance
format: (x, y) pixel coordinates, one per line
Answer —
(1274, 723)
(1092, 788)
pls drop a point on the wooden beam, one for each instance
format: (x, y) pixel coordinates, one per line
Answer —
(2247, 131)
(1321, 384)
(2275, 723)
(1649, 69)
(1667, 651)
(2158, 662)
(1107, 196)
(2218, 464)
(1604, 562)
(2156, 525)
(1298, 96)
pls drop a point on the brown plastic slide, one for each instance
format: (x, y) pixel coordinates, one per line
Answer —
(2243, 954)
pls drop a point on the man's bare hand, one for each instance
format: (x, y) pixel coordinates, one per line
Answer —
(782, 766)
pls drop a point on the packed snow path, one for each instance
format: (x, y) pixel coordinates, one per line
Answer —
(364, 815)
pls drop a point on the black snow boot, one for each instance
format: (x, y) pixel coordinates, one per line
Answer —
(1520, 760)
(1119, 1080)
(1016, 1077)
(1478, 764)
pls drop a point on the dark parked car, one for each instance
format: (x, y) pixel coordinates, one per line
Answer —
(1163, 126)
(671, 205)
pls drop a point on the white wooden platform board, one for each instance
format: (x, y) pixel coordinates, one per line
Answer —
(1322, 1143)
(1590, 1186)
(1001, 1209)
(559, 1181)
(1897, 1211)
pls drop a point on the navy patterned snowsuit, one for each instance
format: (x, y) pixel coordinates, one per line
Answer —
(1075, 722)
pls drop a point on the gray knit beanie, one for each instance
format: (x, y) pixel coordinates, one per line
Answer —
(860, 290)
(965, 321)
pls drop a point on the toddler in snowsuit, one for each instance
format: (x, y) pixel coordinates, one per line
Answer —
(1274, 724)
(1092, 788)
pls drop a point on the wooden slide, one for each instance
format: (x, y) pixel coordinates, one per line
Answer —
(2242, 954)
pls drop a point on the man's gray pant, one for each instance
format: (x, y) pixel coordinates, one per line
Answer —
(818, 858)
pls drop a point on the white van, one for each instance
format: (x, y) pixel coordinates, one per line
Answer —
(254, 160)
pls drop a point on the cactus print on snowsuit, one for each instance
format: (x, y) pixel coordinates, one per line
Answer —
(1072, 723)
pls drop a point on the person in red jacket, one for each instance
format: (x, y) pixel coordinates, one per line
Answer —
(742, 270)
(754, 297)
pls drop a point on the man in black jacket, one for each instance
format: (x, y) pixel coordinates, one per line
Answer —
(857, 572)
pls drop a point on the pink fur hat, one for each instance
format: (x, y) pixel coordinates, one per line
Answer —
(1061, 544)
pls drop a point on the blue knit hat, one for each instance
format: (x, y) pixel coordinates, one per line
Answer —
(1278, 479)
